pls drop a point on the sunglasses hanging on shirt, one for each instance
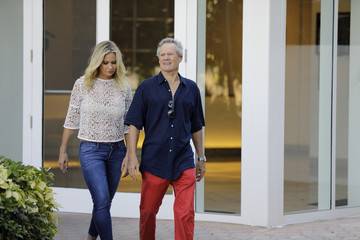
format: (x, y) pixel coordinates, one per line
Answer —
(171, 112)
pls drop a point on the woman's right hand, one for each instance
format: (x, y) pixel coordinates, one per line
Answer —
(63, 162)
(63, 157)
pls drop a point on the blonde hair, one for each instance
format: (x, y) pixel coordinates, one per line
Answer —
(97, 57)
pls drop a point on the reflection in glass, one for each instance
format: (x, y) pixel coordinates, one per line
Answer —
(137, 32)
(223, 105)
(308, 88)
(347, 189)
(67, 47)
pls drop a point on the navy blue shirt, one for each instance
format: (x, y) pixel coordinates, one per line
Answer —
(166, 151)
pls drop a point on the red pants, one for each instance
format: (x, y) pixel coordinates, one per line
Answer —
(153, 190)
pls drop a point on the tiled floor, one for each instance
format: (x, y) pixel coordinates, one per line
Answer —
(74, 226)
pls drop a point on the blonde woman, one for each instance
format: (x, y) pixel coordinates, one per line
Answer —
(98, 106)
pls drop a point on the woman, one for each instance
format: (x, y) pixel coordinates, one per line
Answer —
(98, 106)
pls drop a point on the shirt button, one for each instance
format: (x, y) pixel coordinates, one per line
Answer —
(171, 137)
(172, 125)
(170, 150)
(169, 90)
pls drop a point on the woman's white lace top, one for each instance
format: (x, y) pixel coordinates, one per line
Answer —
(99, 112)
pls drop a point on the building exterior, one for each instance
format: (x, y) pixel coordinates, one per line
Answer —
(280, 83)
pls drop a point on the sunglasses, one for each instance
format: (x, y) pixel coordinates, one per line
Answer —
(171, 112)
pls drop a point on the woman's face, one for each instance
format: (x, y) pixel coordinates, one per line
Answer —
(108, 66)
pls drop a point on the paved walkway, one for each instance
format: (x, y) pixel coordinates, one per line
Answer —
(74, 227)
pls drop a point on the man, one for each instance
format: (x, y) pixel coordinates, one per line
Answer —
(168, 107)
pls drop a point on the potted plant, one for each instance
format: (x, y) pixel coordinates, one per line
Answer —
(26, 202)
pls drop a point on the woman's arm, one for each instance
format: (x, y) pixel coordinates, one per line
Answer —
(63, 157)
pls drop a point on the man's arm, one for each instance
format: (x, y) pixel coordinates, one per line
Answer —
(131, 163)
(200, 165)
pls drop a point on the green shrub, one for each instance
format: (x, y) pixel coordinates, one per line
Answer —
(26, 202)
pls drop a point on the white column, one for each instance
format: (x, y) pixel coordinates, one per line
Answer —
(32, 79)
(102, 20)
(354, 109)
(180, 31)
(262, 194)
(27, 80)
(325, 104)
(201, 58)
(191, 40)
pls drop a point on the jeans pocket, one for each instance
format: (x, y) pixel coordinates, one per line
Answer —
(122, 145)
(87, 147)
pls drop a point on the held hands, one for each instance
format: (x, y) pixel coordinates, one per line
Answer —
(200, 170)
(63, 162)
(130, 166)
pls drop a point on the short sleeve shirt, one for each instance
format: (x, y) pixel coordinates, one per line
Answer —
(166, 151)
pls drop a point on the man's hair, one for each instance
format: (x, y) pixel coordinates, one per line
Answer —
(178, 45)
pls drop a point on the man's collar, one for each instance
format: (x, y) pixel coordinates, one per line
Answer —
(161, 78)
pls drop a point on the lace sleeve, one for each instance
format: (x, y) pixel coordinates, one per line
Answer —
(128, 100)
(72, 120)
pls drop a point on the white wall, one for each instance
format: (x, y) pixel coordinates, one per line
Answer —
(11, 78)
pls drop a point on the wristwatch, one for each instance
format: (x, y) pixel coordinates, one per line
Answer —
(202, 159)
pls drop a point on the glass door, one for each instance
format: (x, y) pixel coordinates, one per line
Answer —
(308, 105)
(348, 97)
(220, 65)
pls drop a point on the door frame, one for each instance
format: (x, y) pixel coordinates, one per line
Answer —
(32, 83)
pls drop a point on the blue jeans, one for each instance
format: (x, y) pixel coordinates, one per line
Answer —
(101, 168)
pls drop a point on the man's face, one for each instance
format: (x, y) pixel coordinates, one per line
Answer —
(168, 58)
